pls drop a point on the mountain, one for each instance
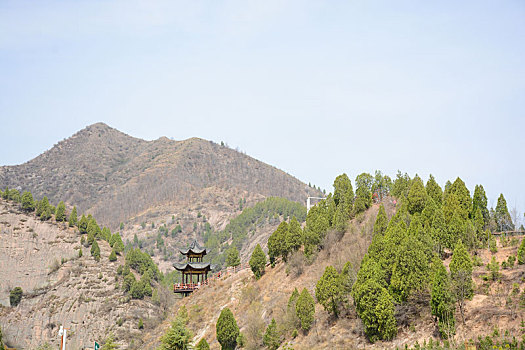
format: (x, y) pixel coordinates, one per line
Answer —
(118, 178)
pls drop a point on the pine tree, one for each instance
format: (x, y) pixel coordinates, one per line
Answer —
(178, 337)
(60, 213)
(329, 291)
(105, 234)
(305, 309)
(113, 255)
(232, 259)
(461, 276)
(411, 269)
(442, 300)
(258, 261)
(73, 217)
(456, 200)
(479, 201)
(28, 204)
(295, 236)
(417, 196)
(109, 343)
(95, 251)
(503, 220)
(293, 298)
(343, 191)
(381, 221)
(202, 345)
(277, 243)
(271, 338)
(15, 296)
(118, 245)
(457, 228)
(42, 206)
(47, 213)
(83, 224)
(521, 252)
(227, 330)
(434, 191)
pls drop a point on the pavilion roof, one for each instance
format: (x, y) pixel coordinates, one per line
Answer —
(194, 248)
(192, 265)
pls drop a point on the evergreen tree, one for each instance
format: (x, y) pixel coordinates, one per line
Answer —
(411, 269)
(479, 201)
(277, 242)
(317, 224)
(227, 330)
(503, 220)
(329, 291)
(417, 196)
(42, 206)
(305, 309)
(363, 193)
(442, 300)
(456, 200)
(258, 261)
(129, 281)
(5, 194)
(137, 290)
(28, 204)
(456, 228)
(47, 213)
(293, 298)
(427, 215)
(105, 234)
(109, 343)
(1, 342)
(401, 185)
(295, 235)
(434, 191)
(271, 338)
(343, 191)
(461, 276)
(113, 255)
(381, 221)
(232, 258)
(202, 345)
(15, 296)
(440, 233)
(83, 224)
(60, 213)
(73, 217)
(118, 245)
(95, 251)
(521, 252)
(178, 337)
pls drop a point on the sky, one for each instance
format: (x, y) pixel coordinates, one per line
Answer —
(315, 88)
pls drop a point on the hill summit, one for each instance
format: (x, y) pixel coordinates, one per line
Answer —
(100, 167)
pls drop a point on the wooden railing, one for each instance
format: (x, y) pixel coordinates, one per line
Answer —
(187, 287)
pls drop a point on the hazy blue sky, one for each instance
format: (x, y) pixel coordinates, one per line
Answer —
(315, 88)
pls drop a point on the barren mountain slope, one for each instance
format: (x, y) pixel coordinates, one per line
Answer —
(100, 168)
(60, 288)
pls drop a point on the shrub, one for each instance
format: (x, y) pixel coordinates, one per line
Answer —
(202, 345)
(15, 296)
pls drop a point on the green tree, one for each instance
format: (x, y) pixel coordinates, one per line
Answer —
(521, 252)
(113, 255)
(442, 301)
(227, 330)
(457, 201)
(271, 338)
(305, 309)
(381, 221)
(461, 276)
(295, 235)
(60, 213)
(479, 201)
(47, 213)
(73, 221)
(178, 337)
(15, 295)
(28, 204)
(411, 269)
(129, 280)
(117, 245)
(137, 290)
(417, 196)
(317, 224)
(434, 191)
(277, 242)
(502, 216)
(1, 341)
(329, 291)
(258, 261)
(83, 224)
(232, 258)
(401, 185)
(202, 345)
(109, 343)
(363, 192)
(95, 251)
(42, 206)
(106, 234)
(493, 268)
(343, 191)
(376, 310)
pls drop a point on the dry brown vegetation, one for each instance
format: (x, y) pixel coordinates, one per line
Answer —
(116, 177)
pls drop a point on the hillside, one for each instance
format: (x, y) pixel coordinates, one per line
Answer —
(61, 288)
(100, 167)
(494, 306)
